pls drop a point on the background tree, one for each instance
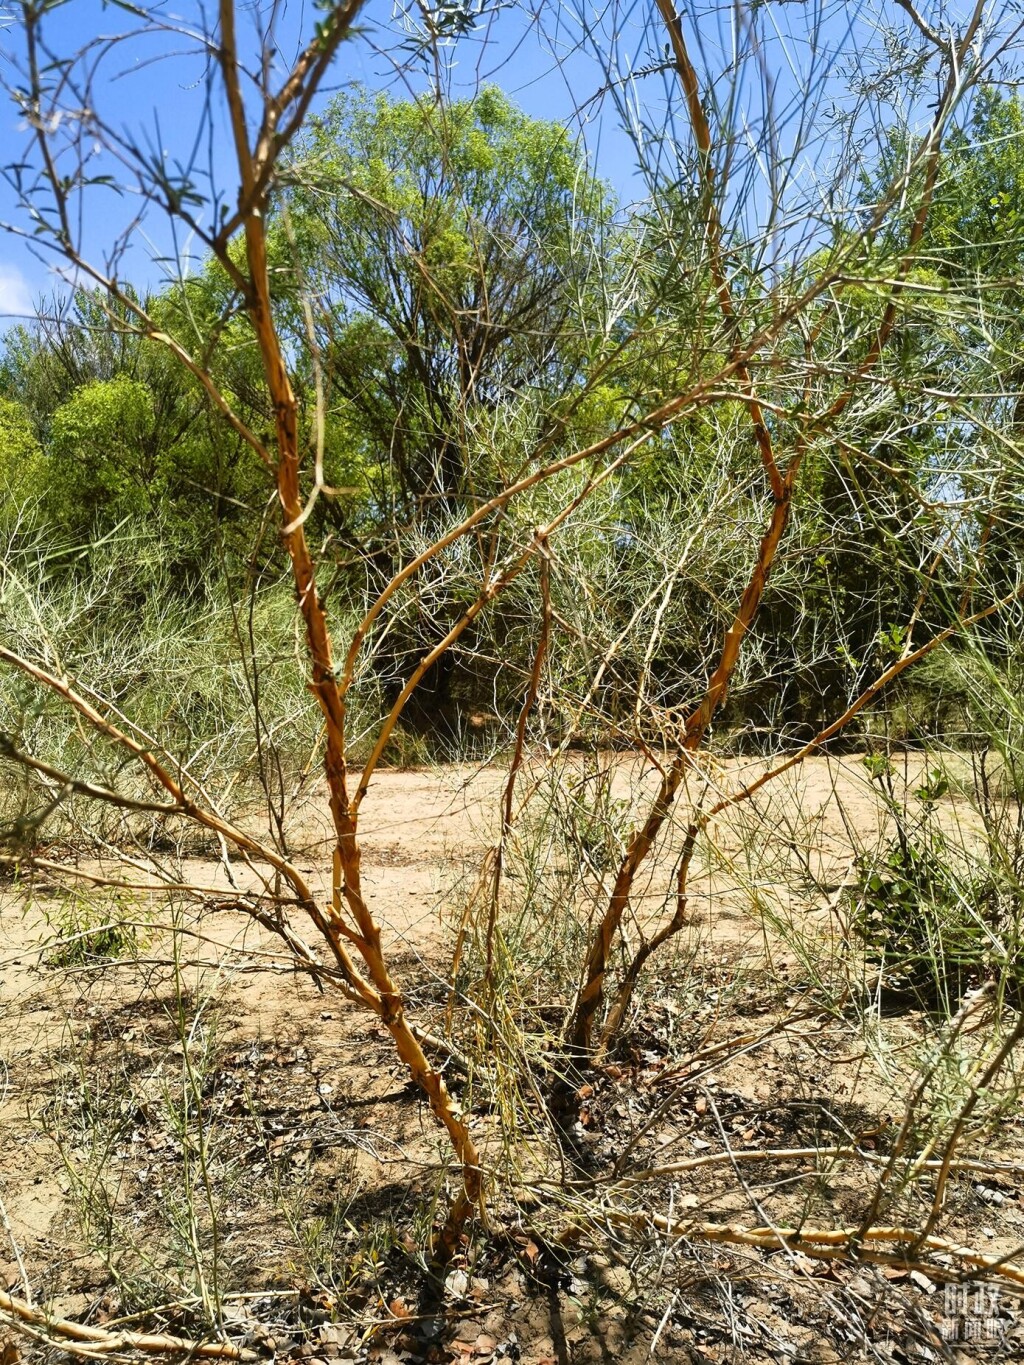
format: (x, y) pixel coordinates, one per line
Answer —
(450, 249)
(455, 255)
(976, 248)
(126, 436)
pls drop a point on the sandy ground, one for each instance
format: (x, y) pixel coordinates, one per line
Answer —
(311, 1112)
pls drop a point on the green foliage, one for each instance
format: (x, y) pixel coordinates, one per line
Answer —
(597, 827)
(450, 248)
(977, 226)
(124, 435)
(88, 932)
(476, 296)
(936, 920)
(180, 665)
(102, 454)
(21, 462)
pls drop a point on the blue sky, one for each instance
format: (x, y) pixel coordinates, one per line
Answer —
(152, 89)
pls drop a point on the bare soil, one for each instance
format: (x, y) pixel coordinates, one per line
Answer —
(193, 1132)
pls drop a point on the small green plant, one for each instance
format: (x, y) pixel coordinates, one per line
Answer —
(934, 919)
(87, 933)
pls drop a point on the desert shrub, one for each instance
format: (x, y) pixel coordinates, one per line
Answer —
(938, 908)
(84, 932)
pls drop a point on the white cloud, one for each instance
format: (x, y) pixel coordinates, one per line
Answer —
(15, 294)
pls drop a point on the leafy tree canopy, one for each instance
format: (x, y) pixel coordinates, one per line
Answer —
(453, 252)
